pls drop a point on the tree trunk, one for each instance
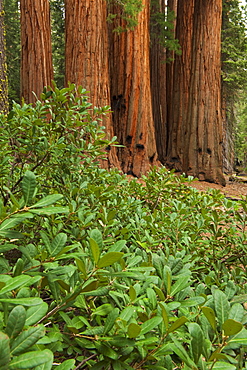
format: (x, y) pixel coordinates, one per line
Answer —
(158, 68)
(36, 56)
(196, 134)
(3, 65)
(86, 55)
(131, 95)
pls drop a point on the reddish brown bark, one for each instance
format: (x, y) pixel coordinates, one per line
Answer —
(36, 56)
(86, 51)
(3, 66)
(158, 69)
(196, 126)
(131, 95)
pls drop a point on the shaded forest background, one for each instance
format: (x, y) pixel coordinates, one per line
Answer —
(148, 61)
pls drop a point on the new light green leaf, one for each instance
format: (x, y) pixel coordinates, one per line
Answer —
(50, 210)
(109, 258)
(30, 301)
(179, 322)
(28, 185)
(31, 359)
(47, 201)
(15, 283)
(35, 313)
(103, 310)
(150, 324)
(16, 321)
(27, 339)
(4, 351)
(210, 315)
(133, 330)
(66, 365)
(220, 365)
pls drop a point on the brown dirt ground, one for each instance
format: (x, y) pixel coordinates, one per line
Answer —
(236, 187)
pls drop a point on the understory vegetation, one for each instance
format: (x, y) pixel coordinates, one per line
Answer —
(98, 271)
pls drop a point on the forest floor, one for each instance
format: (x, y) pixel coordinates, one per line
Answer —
(236, 187)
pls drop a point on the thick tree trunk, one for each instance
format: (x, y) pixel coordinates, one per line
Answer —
(158, 68)
(36, 56)
(3, 65)
(196, 133)
(86, 54)
(131, 95)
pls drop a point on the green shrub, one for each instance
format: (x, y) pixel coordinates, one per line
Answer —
(100, 272)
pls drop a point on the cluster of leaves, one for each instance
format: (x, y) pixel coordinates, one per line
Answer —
(100, 272)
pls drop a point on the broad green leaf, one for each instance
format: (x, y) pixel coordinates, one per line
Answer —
(240, 298)
(179, 350)
(118, 246)
(89, 286)
(236, 312)
(10, 222)
(106, 351)
(109, 258)
(147, 341)
(151, 297)
(210, 315)
(179, 322)
(110, 320)
(16, 321)
(66, 365)
(7, 247)
(95, 250)
(194, 301)
(221, 305)
(164, 314)
(32, 301)
(103, 310)
(240, 339)
(127, 313)
(50, 210)
(35, 313)
(47, 201)
(133, 330)
(197, 340)
(231, 327)
(182, 283)
(46, 241)
(15, 283)
(27, 339)
(58, 243)
(220, 365)
(167, 279)
(31, 359)
(4, 351)
(150, 324)
(10, 234)
(28, 185)
(96, 235)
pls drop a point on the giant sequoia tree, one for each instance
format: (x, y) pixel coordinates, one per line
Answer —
(36, 56)
(195, 141)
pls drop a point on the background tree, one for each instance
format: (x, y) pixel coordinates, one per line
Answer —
(3, 65)
(131, 93)
(36, 55)
(12, 25)
(198, 137)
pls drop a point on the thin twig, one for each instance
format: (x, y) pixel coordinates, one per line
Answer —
(85, 360)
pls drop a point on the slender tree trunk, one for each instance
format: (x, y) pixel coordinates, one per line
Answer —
(179, 75)
(158, 68)
(196, 125)
(131, 95)
(36, 56)
(86, 54)
(3, 66)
